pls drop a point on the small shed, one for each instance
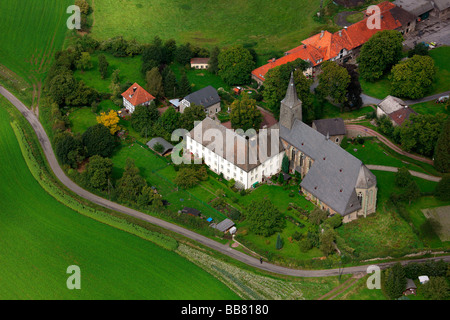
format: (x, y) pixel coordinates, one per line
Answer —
(224, 225)
(191, 211)
(410, 287)
(167, 147)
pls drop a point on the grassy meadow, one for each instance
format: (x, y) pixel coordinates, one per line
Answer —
(265, 25)
(41, 237)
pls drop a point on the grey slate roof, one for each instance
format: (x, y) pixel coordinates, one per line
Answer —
(167, 146)
(205, 97)
(246, 158)
(333, 127)
(334, 174)
(224, 225)
(416, 7)
(442, 4)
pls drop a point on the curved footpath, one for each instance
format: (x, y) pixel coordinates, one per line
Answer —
(224, 249)
(390, 144)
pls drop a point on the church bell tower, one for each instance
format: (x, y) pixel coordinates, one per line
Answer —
(291, 106)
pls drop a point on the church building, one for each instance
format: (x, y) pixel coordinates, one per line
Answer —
(332, 178)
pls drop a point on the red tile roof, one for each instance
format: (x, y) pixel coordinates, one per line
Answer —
(401, 115)
(325, 45)
(136, 95)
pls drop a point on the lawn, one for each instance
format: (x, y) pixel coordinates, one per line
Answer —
(381, 88)
(81, 119)
(430, 107)
(199, 78)
(41, 238)
(265, 25)
(130, 71)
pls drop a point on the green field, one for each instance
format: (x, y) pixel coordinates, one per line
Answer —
(41, 238)
(32, 31)
(265, 25)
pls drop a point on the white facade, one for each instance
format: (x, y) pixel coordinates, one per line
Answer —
(219, 165)
(129, 106)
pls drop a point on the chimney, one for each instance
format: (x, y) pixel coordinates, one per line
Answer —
(134, 89)
(340, 33)
(322, 33)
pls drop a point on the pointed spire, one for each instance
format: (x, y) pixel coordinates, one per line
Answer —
(291, 98)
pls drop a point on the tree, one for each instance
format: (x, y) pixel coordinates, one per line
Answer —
(154, 83)
(61, 87)
(98, 141)
(169, 49)
(190, 176)
(103, 65)
(442, 149)
(184, 87)
(170, 84)
(264, 218)
(280, 178)
(183, 54)
(170, 120)
(98, 172)
(285, 164)
(413, 78)
(354, 90)
(190, 115)
(149, 197)
(420, 49)
(442, 191)
(143, 118)
(317, 216)
(68, 149)
(327, 239)
(333, 82)
(214, 60)
(279, 243)
(379, 54)
(235, 65)
(109, 120)
(334, 222)
(410, 192)
(385, 126)
(394, 281)
(420, 133)
(245, 114)
(303, 87)
(83, 5)
(84, 62)
(130, 185)
(436, 289)
(402, 177)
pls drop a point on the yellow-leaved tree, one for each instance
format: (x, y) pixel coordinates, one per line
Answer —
(109, 120)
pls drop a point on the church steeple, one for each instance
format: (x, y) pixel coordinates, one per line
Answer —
(291, 106)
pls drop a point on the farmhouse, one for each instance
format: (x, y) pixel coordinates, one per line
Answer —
(200, 63)
(136, 96)
(331, 177)
(206, 97)
(343, 45)
(394, 108)
(419, 8)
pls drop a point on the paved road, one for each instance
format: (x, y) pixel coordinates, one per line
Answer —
(224, 249)
(395, 169)
(371, 132)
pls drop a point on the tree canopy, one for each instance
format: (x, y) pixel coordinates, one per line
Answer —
(235, 65)
(98, 141)
(264, 218)
(333, 82)
(245, 114)
(379, 54)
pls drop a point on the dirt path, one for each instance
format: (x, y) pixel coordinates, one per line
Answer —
(370, 132)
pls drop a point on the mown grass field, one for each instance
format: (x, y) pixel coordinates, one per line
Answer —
(32, 31)
(265, 25)
(41, 237)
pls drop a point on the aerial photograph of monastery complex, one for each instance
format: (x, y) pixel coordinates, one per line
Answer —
(223, 155)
